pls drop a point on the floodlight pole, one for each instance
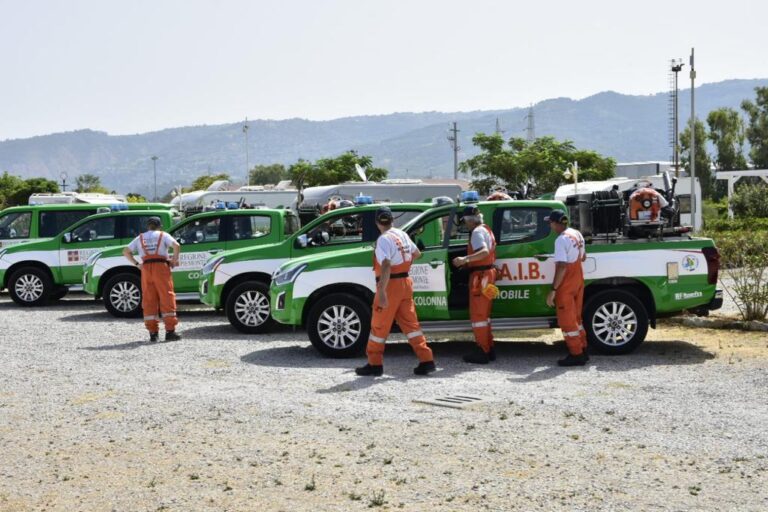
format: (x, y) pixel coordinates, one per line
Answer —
(247, 165)
(154, 171)
(693, 145)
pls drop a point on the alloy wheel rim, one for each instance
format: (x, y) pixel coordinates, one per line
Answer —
(29, 287)
(252, 308)
(614, 324)
(339, 327)
(125, 296)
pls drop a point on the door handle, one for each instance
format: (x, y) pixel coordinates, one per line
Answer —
(436, 263)
(542, 257)
(214, 251)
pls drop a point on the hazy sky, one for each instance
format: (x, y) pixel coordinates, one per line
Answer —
(136, 65)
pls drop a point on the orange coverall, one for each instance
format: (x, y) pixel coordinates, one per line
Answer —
(569, 300)
(400, 308)
(158, 297)
(482, 273)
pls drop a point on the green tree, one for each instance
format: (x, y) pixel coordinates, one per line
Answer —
(205, 181)
(269, 174)
(542, 161)
(703, 163)
(726, 131)
(757, 129)
(750, 201)
(133, 197)
(89, 183)
(15, 191)
(330, 171)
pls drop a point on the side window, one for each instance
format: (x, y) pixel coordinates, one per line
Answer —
(135, 225)
(401, 218)
(96, 229)
(520, 224)
(246, 227)
(344, 229)
(199, 231)
(53, 223)
(420, 233)
(15, 225)
(291, 224)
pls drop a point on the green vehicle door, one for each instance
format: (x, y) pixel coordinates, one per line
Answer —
(199, 240)
(77, 245)
(524, 250)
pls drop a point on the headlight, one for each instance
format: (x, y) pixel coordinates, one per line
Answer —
(290, 275)
(92, 259)
(212, 265)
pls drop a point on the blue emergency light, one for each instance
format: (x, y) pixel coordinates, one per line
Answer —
(361, 200)
(232, 205)
(118, 207)
(220, 205)
(470, 196)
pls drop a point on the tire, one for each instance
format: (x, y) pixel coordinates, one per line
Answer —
(59, 293)
(355, 325)
(30, 287)
(616, 322)
(247, 307)
(122, 296)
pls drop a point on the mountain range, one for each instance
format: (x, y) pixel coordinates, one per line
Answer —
(626, 127)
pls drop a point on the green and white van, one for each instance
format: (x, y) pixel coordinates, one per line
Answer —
(109, 275)
(20, 224)
(629, 282)
(238, 280)
(43, 270)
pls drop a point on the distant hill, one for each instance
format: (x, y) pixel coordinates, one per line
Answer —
(628, 128)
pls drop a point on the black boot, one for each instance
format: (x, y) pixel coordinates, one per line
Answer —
(571, 360)
(425, 368)
(478, 357)
(153, 337)
(172, 336)
(370, 371)
(492, 354)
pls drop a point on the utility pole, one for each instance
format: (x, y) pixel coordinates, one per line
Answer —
(453, 139)
(499, 131)
(693, 145)
(530, 129)
(63, 177)
(247, 165)
(154, 170)
(677, 66)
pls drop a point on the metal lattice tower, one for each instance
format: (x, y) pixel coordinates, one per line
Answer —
(675, 65)
(499, 131)
(453, 140)
(530, 129)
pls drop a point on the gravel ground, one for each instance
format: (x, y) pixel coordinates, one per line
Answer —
(93, 418)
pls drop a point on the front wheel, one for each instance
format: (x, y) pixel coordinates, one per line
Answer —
(122, 296)
(616, 321)
(338, 325)
(248, 308)
(30, 287)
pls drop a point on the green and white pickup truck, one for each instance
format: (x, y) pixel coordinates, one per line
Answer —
(238, 280)
(43, 270)
(629, 283)
(27, 223)
(109, 275)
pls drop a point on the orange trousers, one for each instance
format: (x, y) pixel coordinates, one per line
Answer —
(569, 301)
(400, 308)
(480, 308)
(157, 296)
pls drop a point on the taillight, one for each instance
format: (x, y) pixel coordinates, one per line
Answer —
(713, 263)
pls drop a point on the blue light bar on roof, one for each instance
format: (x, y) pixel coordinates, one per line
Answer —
(470, 196)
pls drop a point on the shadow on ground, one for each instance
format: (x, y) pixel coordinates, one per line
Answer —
(524, 361)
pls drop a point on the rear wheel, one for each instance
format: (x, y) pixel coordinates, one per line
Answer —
(338, 325)
(122, 296)
(247, 308)
(616, 321)
(30, 287)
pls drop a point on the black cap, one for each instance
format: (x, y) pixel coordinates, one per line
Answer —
(471, 209)
(154, 221)
(384, 215)
(558, 216)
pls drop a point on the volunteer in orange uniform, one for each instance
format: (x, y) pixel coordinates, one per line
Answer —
(568, 288)
(480, 259)
(393, 256)
(158, 297)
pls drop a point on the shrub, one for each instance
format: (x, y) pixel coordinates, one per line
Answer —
(750, 201)
(744, 260)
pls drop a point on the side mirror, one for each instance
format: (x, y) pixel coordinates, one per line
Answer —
(67, 238)
(302, 241)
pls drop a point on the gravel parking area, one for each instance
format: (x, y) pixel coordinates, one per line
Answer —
(94, 418)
